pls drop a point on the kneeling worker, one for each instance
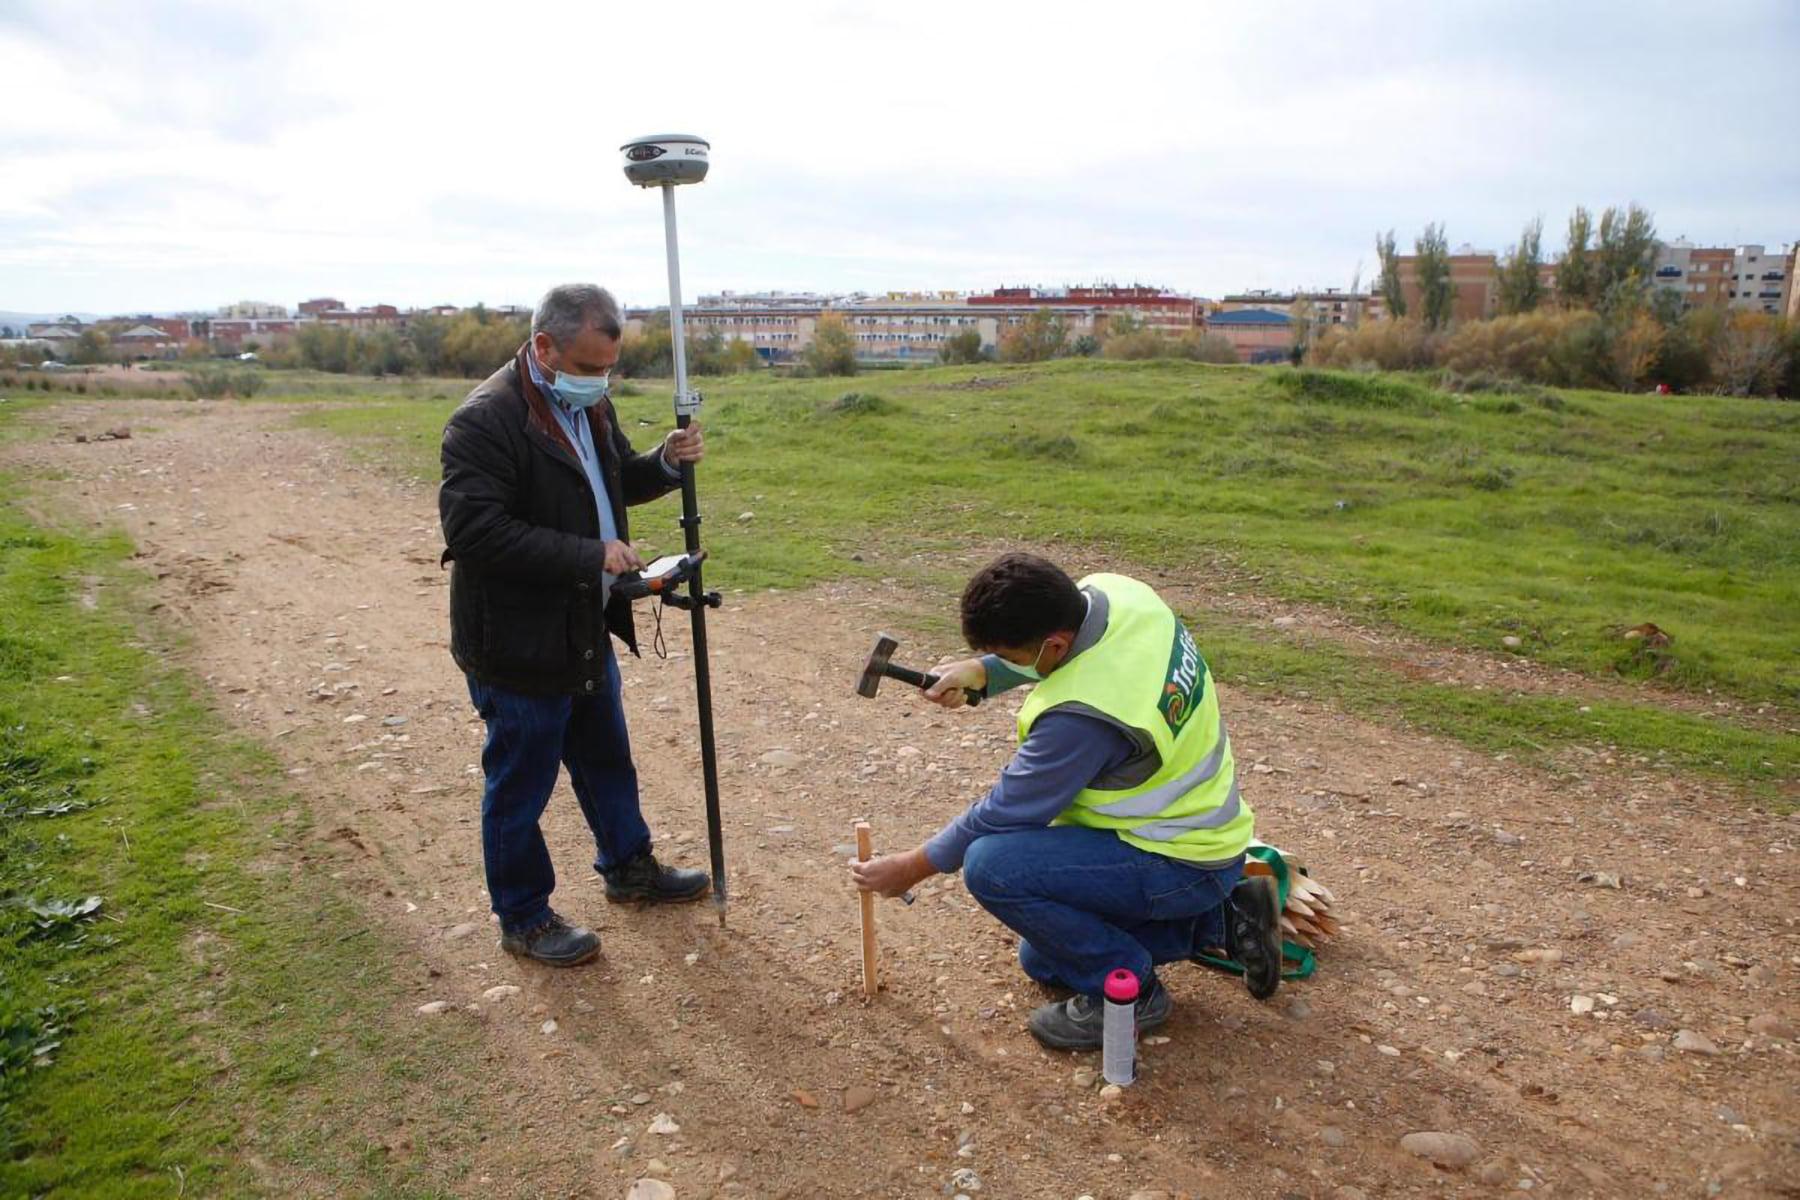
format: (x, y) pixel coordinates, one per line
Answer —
(1115, 837)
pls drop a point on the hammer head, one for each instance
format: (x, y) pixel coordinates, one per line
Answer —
(878, 661)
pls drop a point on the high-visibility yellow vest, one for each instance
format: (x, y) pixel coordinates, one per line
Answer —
(1178, 796)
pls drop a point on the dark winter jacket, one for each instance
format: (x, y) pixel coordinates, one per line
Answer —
(522, 534)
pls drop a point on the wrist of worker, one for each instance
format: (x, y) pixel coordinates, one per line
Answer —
(928, 863)
(922, 867)
(670, 469)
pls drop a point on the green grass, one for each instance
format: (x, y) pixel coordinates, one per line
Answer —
(1545, 730)
(213, 1007)
(1560, 520)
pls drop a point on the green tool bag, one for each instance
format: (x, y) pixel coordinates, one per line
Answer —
(1297, 961)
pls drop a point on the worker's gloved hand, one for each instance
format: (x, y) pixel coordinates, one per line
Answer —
(892, 875)
(953, 677)
(620, 558)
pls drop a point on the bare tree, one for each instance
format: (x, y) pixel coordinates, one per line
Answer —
(1749, 355)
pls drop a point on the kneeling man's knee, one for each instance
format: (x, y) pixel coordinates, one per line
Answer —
(983, 869)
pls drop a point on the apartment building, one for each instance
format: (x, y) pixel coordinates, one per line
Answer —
(253, 310)
(1793, 270)
(1257, 334)
(1761, 280)
(373, 316)
(908, 331)
(1320, 308)
(898, 328)
(1474, 284)
(1698, 275)
(1156, 308)
(777, 333)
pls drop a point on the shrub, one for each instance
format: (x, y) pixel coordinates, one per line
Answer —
(962, 347)
(833, 350)
(213, 383)
(1041, 336)
(1398, 345)
(1139, 344)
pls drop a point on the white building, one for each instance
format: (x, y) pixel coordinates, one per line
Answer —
(1760, 279)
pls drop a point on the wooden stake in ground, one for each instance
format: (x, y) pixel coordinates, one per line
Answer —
(865, 851)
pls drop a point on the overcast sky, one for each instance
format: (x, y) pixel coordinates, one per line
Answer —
(163, 155)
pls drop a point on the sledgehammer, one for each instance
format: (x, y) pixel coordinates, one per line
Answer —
(879, 666)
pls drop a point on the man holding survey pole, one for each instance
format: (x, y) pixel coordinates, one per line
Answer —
(537, 477)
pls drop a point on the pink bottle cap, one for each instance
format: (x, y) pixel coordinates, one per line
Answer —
(1122, 987)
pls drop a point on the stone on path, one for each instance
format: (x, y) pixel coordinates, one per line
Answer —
(650, 1189)
(1772, 1026)
(1445, 1149)
(1695, 1043)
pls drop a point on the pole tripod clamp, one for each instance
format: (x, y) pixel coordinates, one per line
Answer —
(687, 404)
(707, 600)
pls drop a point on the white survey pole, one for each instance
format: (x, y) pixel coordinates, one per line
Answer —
(668, 160)
(684, 405)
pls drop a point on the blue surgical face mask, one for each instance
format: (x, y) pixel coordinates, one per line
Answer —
(580, 391)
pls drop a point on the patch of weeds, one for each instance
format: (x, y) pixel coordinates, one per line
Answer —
(1061, 448)
(58, 920)
(1494, 479)
(1356, 391)
(863, 404)
(29, 1037)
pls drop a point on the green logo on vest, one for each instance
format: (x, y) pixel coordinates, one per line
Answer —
(1183, 689)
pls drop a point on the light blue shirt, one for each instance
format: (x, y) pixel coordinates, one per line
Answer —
(581, 435)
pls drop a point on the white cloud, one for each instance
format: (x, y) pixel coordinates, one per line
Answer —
(183, 154)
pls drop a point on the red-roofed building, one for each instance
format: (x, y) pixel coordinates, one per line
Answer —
(1156, 308)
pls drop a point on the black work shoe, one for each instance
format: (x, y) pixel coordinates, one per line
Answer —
(1253, 933)
(1076, 1023)
(555, 942)
(643, 878)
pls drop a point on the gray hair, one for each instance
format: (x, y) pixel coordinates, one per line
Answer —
(569, 308)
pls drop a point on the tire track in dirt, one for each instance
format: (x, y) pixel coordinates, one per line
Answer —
(309, 589)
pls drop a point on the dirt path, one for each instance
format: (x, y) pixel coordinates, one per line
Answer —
(310, 588)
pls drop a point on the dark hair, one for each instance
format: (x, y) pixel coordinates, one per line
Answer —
(1019, 599)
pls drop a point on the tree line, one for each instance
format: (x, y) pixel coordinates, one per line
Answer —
(1602, 323)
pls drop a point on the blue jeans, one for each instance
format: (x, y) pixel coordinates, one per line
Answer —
(1085, 903)
(528, 737)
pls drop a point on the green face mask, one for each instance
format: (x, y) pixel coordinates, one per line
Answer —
(1032, 671)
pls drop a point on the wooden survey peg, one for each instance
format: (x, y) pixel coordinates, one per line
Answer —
(871, 962)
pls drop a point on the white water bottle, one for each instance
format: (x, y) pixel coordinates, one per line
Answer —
(1118, 1030)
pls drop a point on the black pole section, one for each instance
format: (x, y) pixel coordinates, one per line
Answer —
(709, 756)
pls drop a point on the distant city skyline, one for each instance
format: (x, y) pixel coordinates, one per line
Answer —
(184, 154)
